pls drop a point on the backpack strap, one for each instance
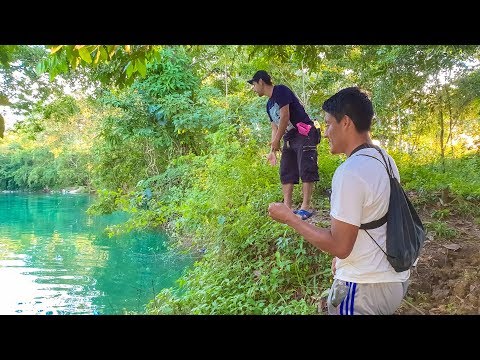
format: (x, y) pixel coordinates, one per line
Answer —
(375, 223)
(376, 242)
(388, 167)
(386, 163)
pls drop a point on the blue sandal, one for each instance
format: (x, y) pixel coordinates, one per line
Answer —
(304, 214)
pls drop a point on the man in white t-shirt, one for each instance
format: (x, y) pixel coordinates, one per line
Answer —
(364, 281)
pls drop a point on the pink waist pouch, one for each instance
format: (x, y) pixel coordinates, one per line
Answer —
(303, 128)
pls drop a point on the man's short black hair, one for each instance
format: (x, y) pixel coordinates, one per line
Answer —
(353, 102)
(261, 74)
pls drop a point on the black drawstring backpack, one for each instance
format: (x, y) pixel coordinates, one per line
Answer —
(405, 231)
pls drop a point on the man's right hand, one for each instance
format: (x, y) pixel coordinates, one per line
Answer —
(272, 158)
(275, 145)
(281, 213)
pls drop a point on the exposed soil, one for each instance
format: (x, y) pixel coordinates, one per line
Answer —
(446, 278)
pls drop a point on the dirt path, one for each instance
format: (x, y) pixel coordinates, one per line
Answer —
(446, 279)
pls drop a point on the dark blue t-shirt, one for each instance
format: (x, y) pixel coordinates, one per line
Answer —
(282, 96)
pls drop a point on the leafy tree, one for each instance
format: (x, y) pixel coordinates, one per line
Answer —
(23, 89)
(114, 64)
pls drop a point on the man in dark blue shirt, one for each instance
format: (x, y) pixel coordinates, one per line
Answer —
(300, 138)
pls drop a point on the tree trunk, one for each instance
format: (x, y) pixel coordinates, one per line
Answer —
(399, 125)
(442, 132)
(450, 113)
(304, 98)
(226, 84)
(2, 126)
(226, 90)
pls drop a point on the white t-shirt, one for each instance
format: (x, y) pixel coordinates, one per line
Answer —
(360, 194)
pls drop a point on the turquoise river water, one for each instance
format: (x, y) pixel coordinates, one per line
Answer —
(55, 259)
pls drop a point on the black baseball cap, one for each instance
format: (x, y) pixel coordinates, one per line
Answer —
(260, 74)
